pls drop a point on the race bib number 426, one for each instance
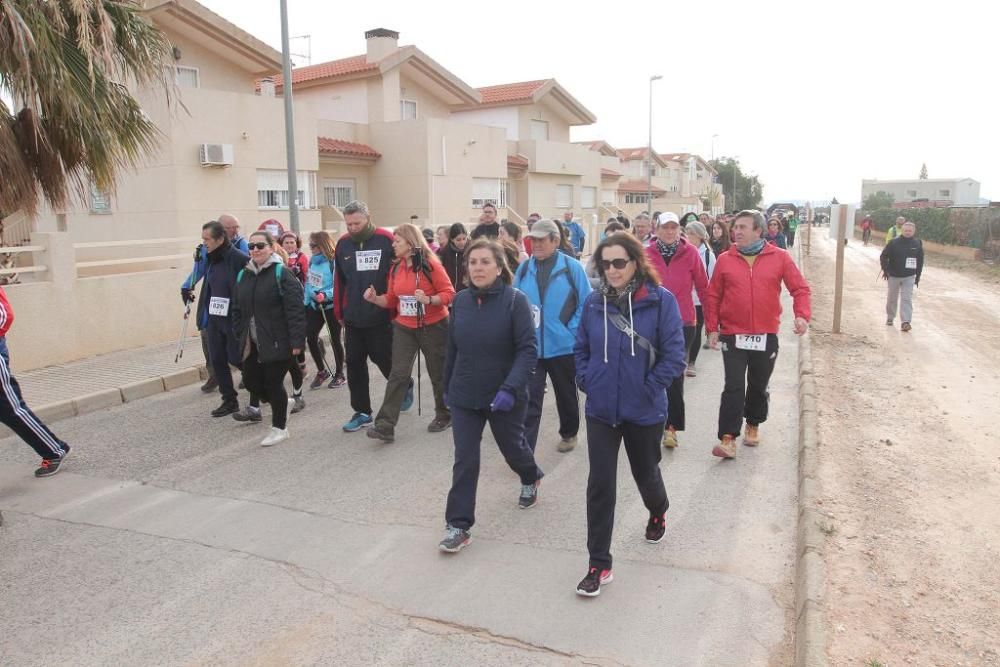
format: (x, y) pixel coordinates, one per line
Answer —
(756, 342)
(368, 260)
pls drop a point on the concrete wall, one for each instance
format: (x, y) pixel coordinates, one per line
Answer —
(507, 118)
(963, 192)
(214, 73)
(558, 127)
(345, 102)
(429, 105)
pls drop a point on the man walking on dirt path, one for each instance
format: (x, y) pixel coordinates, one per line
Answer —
(743, 310)
(902, 262)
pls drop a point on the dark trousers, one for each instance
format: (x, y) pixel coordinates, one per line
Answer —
(467, 430)
(642, 445)
(203, 334)
(430, 341)
(315, 319)
(18, 417)
(675, 392)
(748, 373)
(695, 347)
(562, 371)
(790, 235)
(267, 381)
(223, 350)
(364, 343)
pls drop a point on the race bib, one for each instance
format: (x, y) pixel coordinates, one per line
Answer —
(536, 315)
(218, 306)
(911, 262)
(273, 230)
(368, 260)
(315, 280)
(755, 342)
(408, 306)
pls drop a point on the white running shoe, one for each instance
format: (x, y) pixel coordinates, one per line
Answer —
(275, 436)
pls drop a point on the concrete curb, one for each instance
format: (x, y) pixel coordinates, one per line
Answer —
(810, 569)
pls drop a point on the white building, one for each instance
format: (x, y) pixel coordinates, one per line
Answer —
(944, 191)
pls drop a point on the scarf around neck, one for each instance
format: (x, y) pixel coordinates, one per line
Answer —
(754, 248)
(667, 250)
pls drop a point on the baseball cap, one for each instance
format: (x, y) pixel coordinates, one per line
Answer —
(669, 216)
(543, 228)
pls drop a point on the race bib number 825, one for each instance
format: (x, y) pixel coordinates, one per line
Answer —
(368, 260)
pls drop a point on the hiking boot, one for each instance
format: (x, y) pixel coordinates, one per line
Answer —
(358, 422)
(590, 586)
(726, 448)
(49, 467)
(655, 529)
(439, 424)
(321, 377)
(690, 372)
(905, 326)
(567, 444)
(670, 438)
(751, 438)
(247, 414)
(377, 434)
(275, 436)
(298, 404)
(210, 385)
(227, 408)
(529, 495)
(888, 323)
(408, 399)
(455, 539)
(338, 381)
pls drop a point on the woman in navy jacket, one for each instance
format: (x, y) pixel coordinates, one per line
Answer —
(629, 348)
(491, 352)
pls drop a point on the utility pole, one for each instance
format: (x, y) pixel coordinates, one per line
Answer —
(286, 91)
(649, 148)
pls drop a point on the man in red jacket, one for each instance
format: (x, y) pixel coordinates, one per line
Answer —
(16, 414)
(743, 312)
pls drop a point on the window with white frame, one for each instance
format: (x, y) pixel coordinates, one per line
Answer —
(540, 130)
(636, 198)
(338, 192)
(489, 191)
(564, 196)
(187, 77)
(944, 194)
(607, 196)
(100, 202)
(408, 109)
(272, 188)
(588, 197)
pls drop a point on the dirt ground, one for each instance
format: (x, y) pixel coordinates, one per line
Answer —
(909, 465)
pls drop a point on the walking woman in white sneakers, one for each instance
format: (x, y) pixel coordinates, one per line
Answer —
(629, 348)
(270, 326)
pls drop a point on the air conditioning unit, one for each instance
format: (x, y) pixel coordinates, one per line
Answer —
(217, 155)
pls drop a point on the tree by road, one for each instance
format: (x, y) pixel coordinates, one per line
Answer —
(749, 190)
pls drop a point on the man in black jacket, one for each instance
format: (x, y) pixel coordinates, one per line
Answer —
(902, 262)
(217, 289)
(364, 255)
(488, 225)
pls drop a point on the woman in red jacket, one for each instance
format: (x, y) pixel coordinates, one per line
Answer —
(419, 291)
(682, 272)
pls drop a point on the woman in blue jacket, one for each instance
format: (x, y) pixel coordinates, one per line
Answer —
(318, 297)
(629, 348)
(488, 316)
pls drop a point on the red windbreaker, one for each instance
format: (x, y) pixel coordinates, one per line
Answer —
(403, 282)
(744, 299)
(6, 314)
(686, 272)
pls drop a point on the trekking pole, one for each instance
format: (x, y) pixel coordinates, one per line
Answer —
(184, 328)
(420, 324)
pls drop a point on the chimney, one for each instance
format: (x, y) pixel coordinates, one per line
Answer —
(267, 87)
(381, 42)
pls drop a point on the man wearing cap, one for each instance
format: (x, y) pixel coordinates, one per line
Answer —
(556, 286)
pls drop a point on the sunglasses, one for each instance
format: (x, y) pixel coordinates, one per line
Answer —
(313, 245)
(258, 246)
(617, 263)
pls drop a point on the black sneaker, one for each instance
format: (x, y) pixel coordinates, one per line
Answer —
(337, 382)
(655, 529)
(298, 404)
(375, 434)
(321, 377)
(227, 408)
(455, 539)
(590, 586)
(439, 424)
(209, 386)
(247, 414)
(50, 467)
(529, 495)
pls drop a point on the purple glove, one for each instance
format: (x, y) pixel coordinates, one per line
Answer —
(503, 401)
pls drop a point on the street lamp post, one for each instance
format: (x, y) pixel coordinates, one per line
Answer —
(649, 147)
(286, 91)
(734, 160)
(714, 136)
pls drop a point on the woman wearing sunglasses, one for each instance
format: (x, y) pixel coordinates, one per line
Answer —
(319, 311)
(629, 348)
(270, 327)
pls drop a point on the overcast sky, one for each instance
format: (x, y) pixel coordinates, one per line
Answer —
(812, 96)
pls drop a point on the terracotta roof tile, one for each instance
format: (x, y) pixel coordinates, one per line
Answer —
(638, 186)
(511, 92)
(328, 146)
(675, 157)
(328, 70)
(517, 161)
(609, 173)
(632, 153)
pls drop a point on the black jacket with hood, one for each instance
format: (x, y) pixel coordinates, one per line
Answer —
(275, 313)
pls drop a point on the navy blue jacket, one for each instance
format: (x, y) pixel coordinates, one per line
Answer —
(223, 266)
(201, 265)
(491, 346)
(621, 387)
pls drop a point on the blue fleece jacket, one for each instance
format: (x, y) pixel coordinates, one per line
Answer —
(557, 304)
(320, 279)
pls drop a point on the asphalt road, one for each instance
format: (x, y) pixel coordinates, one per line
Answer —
(173, 538)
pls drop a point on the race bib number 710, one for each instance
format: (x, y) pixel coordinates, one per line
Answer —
(755, 342)
(368, 260)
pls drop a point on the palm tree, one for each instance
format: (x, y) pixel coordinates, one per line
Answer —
(69, 121)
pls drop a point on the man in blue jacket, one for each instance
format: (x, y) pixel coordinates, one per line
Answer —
(232, 228)
(556, 286)
(577, 236)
